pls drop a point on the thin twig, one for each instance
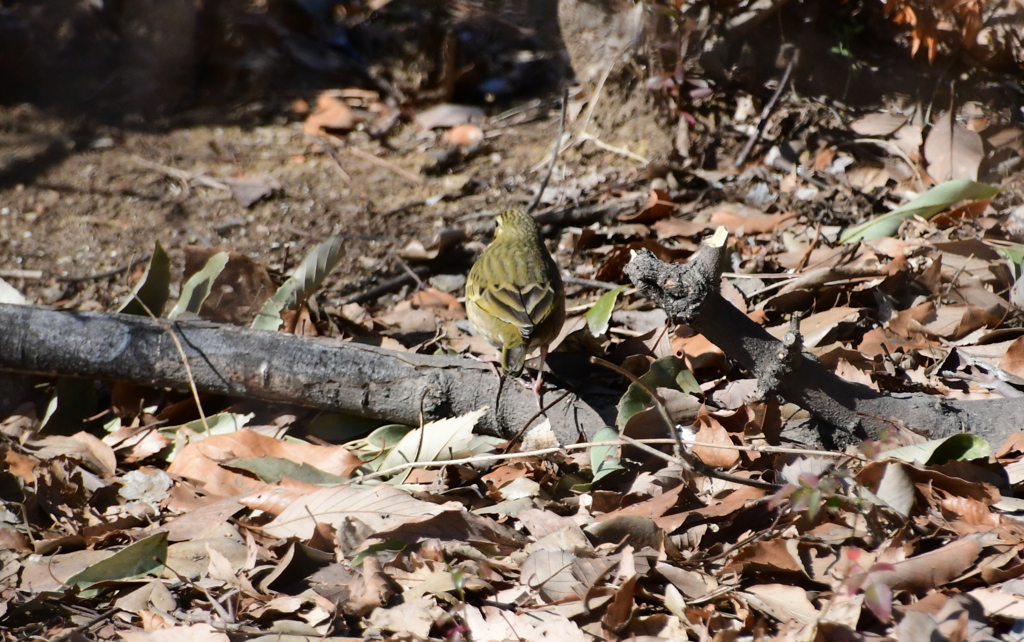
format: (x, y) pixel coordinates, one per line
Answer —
(21, 274)
(621, 151)
(387, 287)
(184, 361)
(589, 283)
(336, 157)
(810, 248)
(535, 416)
(376, 160)
(767, 111)
(658, 401)
(103, 275)
(415, 277)
(554, 154)
(388, 165)
(683, 458)
(80, 629)
(182, 175)
(701, 467)
(624, 441)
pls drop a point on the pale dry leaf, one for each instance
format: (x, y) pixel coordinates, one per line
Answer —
(436, 441)
(383, 507)
(558, 575)
(896, 489)
(999, 603)
(331, 113)
(878, 124)
(448, 115)
(952, 151)
(415, 617)
(88, 449)
(932, 569)
(777, 555)
(820, 326)
(782, 602)
(194, 633)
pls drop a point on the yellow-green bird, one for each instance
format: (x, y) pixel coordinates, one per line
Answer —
(514, 294)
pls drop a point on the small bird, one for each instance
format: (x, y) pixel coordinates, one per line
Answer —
(514, 294)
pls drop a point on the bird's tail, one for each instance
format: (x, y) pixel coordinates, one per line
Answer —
(513, 359)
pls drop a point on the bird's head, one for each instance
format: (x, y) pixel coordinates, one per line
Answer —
(516, 224)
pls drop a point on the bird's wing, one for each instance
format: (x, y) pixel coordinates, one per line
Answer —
(525, 307)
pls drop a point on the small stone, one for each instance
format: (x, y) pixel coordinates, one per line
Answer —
(448, 282)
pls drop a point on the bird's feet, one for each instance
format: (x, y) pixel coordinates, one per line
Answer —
(490, 360)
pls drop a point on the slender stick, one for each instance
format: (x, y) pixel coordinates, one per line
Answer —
(554, 154)
(766, 112)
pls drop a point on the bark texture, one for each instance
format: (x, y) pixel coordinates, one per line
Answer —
(689, 294)
(323, 373)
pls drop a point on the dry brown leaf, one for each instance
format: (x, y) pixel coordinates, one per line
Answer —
(334, 460)
(952, 151)
(782, 602)
(194, 633)
(659, 206)
(819, 328)
(465, 135)
(780, 554)
(383, 507)
(969, 510)
(1013, 360)
(711, 431)
(932, 569)
(973, 209)
(879, 124)
(540, 523)
(697, 351)
(743, 220)
(331, 113)
(82, 446)
(416, 617)
(558, 575)
(239, 291)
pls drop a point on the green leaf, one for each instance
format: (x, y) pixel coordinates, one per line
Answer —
(154, 287)
(273, 469)
(198, 286)
(304, 281)
(1013, 253)
(373, 549)
(927, 205)
(374, 447)
(962, 447)
(600, 313)
(144, 557)
(603, 459)
(666, 372)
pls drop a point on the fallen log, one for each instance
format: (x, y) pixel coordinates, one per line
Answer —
(362, 380)
(850, 412)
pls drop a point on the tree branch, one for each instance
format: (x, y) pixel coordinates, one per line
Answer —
(323, 373)
(689, 294)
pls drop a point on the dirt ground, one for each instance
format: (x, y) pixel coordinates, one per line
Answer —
(103, 204)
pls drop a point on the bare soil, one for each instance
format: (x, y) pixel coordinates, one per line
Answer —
(99, 205)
